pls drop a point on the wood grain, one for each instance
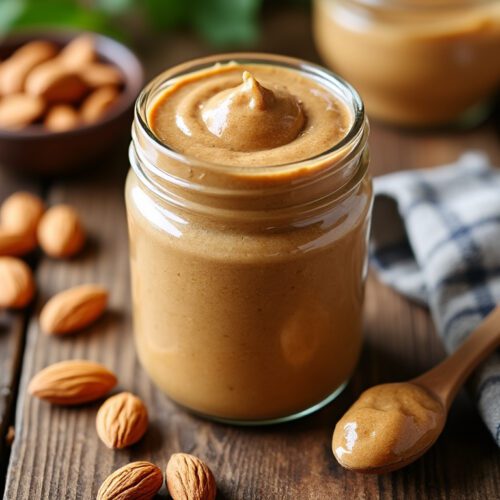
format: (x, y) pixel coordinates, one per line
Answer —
(57, 454)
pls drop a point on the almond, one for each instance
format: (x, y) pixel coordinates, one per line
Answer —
(55, 82)
(188, 478)
(97, 104)
(17, 286)
(80, 51)
(134, 481)
(72, 382)
(61, 117)
(60, 232)
(15, 69)
(15, 243)
(73, 309)
(19, 110)
(122, 420)
(100, 75)
(21, 212)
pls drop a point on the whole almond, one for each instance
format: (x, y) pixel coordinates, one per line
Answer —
(188, 478)
(72, 382)
(121, 420)
(100, 75)
(21, 212)
(73, 309)
(80, 51)
(16, 243)
(97, 104)
(61, 117)
(16, 68)
(19, 110)
(55, 82)
(60, 232)
(134, 481)
(17, 286)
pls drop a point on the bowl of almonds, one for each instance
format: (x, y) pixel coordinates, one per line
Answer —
(65, 99)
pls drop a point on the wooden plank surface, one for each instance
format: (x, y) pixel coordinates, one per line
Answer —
(57, 454)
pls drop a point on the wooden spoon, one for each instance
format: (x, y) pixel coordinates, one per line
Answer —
(391, 425)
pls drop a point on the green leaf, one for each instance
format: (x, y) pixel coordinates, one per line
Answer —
(167, 13)
(55, 13)
(10, 12)
(114, 6)
(224, 22)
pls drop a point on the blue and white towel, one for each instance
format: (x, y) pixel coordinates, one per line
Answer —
(436, 239)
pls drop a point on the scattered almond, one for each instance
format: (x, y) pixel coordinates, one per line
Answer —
(188, 478)
(55, 82)
(21, 212)
(60, 232)
(72, 382)
(121, 420)
(17, 286)
(101, 75)
(19, 110)
(73, 309)
(97, 104)
(61, 117)
(80, 51)
(134, 481)
(15, 243)
(21, 63)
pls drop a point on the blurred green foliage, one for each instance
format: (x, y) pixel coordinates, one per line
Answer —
(219, 21)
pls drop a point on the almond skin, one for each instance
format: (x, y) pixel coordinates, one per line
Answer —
(80, 51)
(73, 309)
(19, 110)
(121, 420)
(60, 232)
(134, 481)
(97, 104)
(15, 243)
(72, 382)
(55, 82)
(17, 286)
(61, 117)
(21, 212)
(188, 478)
(17, 67)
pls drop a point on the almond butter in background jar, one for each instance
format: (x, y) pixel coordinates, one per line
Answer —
(248, 270)
(414, 62)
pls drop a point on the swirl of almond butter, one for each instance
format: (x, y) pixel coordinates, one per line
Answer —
(248, 115)
(251, 117)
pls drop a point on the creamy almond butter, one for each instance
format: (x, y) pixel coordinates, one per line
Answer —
(388, 424)
(414, 62)
(248, 207)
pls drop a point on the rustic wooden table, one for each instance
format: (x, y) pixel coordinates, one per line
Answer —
(56, 453)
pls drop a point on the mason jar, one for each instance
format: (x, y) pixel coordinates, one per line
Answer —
(415, 62)
(247, 282)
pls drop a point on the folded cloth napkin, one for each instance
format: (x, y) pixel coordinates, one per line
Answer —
(436, 239)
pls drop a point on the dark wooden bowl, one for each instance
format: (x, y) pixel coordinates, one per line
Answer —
(35, 149)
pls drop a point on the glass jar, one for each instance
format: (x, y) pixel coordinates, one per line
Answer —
(414, 62)
(247, 282)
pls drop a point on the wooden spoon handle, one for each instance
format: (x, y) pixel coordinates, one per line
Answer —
(446, 378)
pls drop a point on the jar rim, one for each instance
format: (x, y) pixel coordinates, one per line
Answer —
(321, 74)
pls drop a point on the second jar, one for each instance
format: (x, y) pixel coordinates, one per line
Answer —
(248, 205)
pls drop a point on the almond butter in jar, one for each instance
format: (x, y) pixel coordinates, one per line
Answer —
(248, 207)
(415, 63)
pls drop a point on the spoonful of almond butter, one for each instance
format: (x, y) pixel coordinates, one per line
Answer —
(391, 425)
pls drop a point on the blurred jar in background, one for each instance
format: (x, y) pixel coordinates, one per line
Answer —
(414, 62)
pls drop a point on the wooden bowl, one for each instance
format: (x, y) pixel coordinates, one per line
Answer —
(38, 150)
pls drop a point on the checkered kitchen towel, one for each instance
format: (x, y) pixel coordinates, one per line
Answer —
(436, 239)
